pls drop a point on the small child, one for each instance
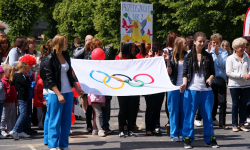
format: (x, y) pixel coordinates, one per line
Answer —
(2, 96)
(22, 83)
(97, 101)
(10, 102)
(39, 101)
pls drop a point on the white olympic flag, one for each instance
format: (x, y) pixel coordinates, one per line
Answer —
(246, 28)
(123, 77)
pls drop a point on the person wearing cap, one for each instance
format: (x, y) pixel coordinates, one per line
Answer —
(2, 95)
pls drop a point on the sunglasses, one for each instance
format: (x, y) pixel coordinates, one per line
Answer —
(247, 44)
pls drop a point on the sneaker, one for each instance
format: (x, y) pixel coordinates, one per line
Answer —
(198, 123)
(235, 129)
(246, 124)
(187, 142)
(180, 138)
(101, 133)
(175, 139)
(22, 134)
(4, 134)
(215, 123)
(54, 149)
(248, 120)
(130, 133)
(14, 134)
(213, 142)
(160, 130)
(121, 134)
(94, 132)
(2, 137)
(243, 128)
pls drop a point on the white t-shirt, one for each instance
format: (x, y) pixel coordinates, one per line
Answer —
(65, 85)
(198, 82)
(180, 73)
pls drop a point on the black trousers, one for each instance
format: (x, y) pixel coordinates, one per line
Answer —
(153, 109)
(89, 113)
(220, 99)
(166, 106)
(137, 105)
(127, 108)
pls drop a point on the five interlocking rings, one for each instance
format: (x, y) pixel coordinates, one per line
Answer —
(107, 78)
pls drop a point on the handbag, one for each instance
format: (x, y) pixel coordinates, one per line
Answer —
(219, 82)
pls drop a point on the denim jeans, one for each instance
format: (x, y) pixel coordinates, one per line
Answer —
(105, 115)
(1, 110)
(239, 98)
(27, 122)
(23, 113)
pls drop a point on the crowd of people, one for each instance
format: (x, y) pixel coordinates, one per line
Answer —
(40, 85)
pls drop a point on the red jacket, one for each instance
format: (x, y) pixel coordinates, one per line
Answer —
(38, 97)
(10, 91)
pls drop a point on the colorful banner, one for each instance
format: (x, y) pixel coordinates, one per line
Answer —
(123, 77)
(136, 22)
(246, 28)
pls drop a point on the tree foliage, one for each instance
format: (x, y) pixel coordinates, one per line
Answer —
(209, 16)
(75, 18)
(20, 15)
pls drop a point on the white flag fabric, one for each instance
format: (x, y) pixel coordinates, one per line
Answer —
(123, 77)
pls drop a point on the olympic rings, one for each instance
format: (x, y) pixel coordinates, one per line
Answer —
(107, 78)
(91, 75)
(146, 75)
(104, 81)
(127, 81)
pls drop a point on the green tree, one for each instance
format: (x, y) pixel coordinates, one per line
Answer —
(20, 15)
(75, 18)
(209, 16)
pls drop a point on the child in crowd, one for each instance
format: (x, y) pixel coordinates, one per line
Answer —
(97, 101)
(2, 95)
(21, 81)
(10, 102)
(39, 101)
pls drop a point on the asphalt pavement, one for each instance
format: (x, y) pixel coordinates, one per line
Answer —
(81, 140)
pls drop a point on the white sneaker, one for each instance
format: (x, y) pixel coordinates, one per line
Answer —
(2, 137)
(180, 138)
(215, 123)
(4, 134)
(248, 120)
(235, 129)
(54, 149)
(175, 139)
(198, 123)
(22, 134)
(160, 130)
(14, 134)
(246, 124)
(101, 133)
(243, 128)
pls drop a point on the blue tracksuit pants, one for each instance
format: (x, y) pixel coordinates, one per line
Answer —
(59, 120)
(46, 121)
(193, 100)
(176, 114)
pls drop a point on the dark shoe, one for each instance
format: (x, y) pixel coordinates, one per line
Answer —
(149, 134)
(121, 134)
(168, 129)
(213, 142)
(130, 133)
(34, 131)
(187, 142)
(157, 133)
(89, 130)
(28, 131)
(109, 131)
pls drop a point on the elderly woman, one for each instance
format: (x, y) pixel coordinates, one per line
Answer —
(237, 69)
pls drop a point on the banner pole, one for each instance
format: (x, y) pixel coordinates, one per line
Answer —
(120, 54)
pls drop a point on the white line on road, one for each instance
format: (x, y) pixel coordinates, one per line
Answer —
(31, 147)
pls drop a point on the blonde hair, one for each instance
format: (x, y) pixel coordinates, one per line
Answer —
(16, 67)
(216, 36)
(58, 42)
(224, 43)
(6, 68)
(238, 42)
(178, 47)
